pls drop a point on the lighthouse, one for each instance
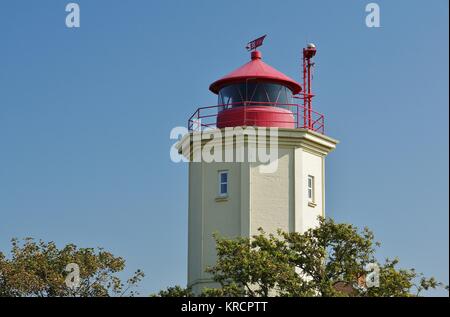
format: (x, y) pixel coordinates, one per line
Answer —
(236, 197)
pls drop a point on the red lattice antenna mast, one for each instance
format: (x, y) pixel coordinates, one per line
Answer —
(308, 53)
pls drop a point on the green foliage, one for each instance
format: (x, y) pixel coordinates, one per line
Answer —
(37, 269)
(175, 291)
(328, 260)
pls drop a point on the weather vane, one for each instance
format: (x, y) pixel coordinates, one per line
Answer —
(255, 43)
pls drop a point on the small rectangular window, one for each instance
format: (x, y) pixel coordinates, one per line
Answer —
(310, 189)
(223, 183)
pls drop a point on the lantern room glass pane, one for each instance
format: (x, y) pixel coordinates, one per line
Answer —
(231, 95)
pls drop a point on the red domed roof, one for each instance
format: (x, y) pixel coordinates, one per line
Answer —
(256, 69)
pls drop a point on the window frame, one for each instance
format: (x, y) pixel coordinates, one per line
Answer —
(310, 188)
(220, 183)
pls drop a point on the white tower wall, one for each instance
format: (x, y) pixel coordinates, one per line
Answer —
(271, 201)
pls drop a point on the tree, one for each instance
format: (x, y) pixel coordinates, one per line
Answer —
(328, 260)
(175, 291)
(38, 269)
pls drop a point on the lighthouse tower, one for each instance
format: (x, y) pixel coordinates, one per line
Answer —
(235, 198)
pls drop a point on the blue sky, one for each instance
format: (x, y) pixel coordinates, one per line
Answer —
(85, 116)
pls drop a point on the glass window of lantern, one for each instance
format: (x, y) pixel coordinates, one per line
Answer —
(273, 91)
(268, 93)
(231, 95)
(256, 93)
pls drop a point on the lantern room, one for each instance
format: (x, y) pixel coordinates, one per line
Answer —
(256, 94)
